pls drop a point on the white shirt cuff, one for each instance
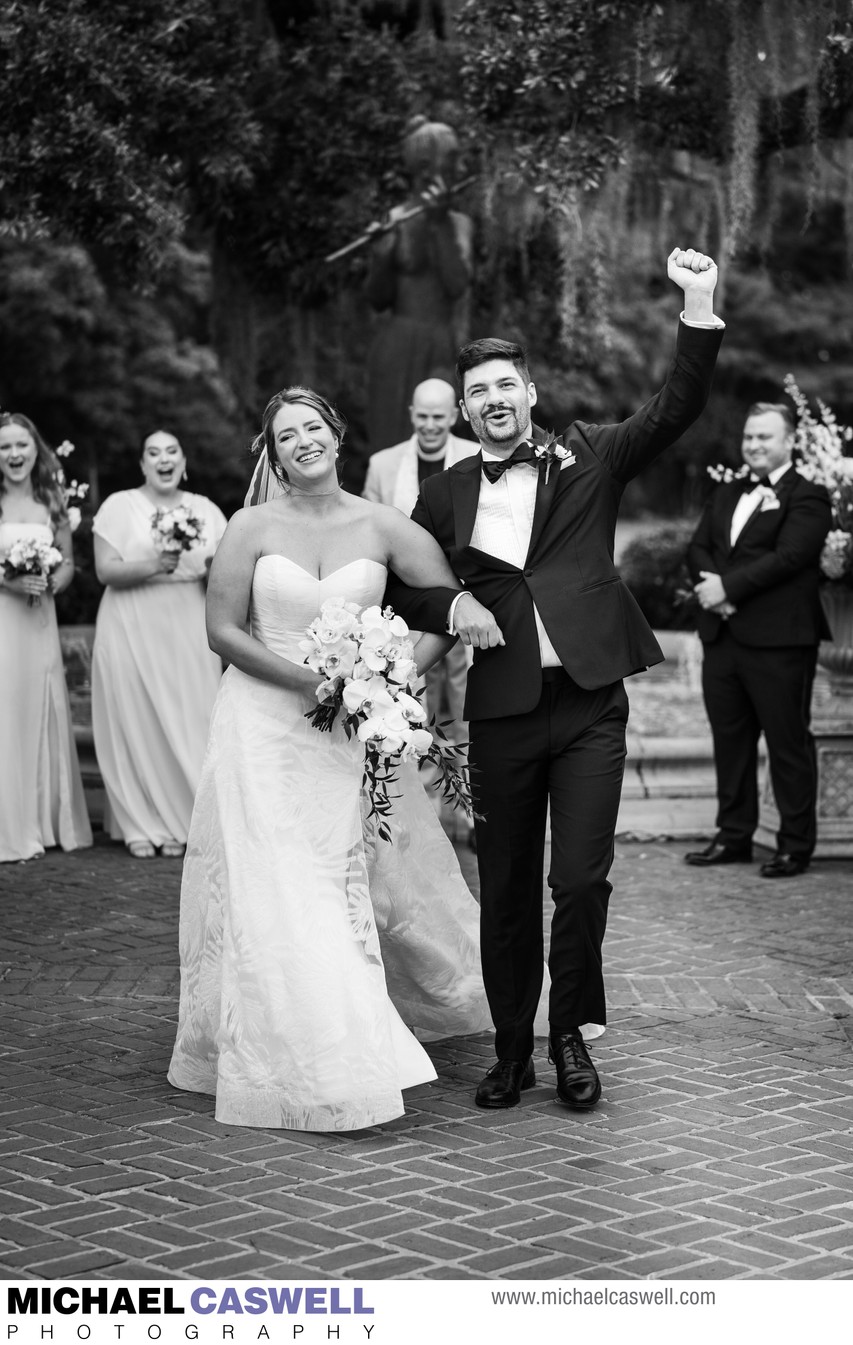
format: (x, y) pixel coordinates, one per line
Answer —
(451, 629)
(714, 325)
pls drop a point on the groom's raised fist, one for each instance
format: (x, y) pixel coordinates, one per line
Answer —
(691, 269)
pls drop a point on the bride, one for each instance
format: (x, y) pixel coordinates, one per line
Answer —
(298, 926)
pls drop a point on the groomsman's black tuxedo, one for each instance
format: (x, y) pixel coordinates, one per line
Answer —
(759, 663)
(556, 736)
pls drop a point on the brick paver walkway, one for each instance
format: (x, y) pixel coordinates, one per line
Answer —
(722, 1147)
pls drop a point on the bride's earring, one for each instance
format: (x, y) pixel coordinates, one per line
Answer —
(184, 477)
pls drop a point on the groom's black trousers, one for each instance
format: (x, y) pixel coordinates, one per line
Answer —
(570, 752)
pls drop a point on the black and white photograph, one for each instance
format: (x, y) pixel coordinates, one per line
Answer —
(426, 669)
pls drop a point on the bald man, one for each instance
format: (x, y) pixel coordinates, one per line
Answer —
(394, 476)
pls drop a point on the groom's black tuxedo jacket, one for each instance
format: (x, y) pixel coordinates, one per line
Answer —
(595, 625)
(771, 573)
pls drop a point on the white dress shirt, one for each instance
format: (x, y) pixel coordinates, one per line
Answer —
(750, 501)
(503, 526)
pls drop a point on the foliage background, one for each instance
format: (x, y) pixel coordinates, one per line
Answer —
(172, 174)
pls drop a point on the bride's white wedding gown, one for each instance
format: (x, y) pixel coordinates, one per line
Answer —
(296, 921)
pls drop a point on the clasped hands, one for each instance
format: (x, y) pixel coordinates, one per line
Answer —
(712, 596)
(167, 561)
(29, 585)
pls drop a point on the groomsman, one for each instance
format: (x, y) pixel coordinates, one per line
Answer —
(395, 476)
(754, 561)
(528, 525)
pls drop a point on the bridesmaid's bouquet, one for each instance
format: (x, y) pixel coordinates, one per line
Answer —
(368, 666)
(177, 529)
(30, 556)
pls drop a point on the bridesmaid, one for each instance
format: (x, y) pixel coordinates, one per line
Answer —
(154, 678)
(41, 793)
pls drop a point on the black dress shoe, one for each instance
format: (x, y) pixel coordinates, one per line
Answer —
(578, 1085)
(718, 854)
(502, 1086)
(783, 866)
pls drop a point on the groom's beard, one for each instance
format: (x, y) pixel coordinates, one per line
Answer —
(509, 428)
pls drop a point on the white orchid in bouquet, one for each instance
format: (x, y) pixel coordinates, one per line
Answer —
(177, 529)
(819, 455)
(369, 674)
(28, 555)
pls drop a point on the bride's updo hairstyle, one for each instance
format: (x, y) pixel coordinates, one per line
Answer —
(265, 442)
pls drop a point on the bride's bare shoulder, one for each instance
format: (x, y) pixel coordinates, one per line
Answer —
(252, 522)
(257, 516)
(383, 515)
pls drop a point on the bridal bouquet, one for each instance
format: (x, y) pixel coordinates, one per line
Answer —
(368, 666)
(30, 556)
(176, 529)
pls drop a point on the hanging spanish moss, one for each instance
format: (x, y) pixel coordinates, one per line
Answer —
(744, 103)
(846, 156)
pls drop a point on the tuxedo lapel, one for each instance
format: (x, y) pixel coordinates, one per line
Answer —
(546, 489)
(465, 494)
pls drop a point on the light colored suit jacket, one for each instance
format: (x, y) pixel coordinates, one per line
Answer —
(392, 473)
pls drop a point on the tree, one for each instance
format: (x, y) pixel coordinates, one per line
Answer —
(120, 122)
(265, 133)
(102, 366)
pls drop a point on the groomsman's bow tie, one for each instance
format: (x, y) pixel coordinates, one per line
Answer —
(494, 470)
(757, 480)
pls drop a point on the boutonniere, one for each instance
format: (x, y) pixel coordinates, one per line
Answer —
(768, 499)
(554, 451)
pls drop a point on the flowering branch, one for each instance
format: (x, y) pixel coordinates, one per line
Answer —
(819, 455)
(70, 490)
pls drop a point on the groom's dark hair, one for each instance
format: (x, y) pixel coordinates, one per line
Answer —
(490, 348)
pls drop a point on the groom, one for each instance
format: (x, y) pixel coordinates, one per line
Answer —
(528, 526)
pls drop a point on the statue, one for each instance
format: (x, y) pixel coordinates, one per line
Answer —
(420, 272)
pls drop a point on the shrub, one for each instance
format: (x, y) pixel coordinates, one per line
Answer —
(654, 569)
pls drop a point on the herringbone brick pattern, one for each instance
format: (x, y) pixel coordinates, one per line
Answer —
(722, 1147)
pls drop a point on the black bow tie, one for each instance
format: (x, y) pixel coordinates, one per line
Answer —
(494, 470)
(754, 480)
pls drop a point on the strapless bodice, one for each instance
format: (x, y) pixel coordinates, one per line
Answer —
(15, 532)
(286, 598)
